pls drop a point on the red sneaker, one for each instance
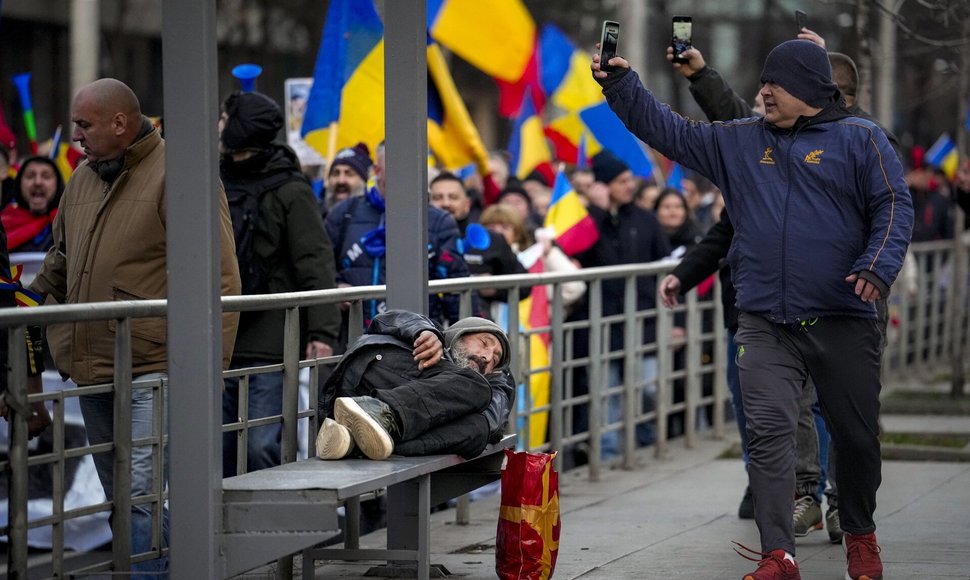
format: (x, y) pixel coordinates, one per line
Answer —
(862, 553)
(774, 566)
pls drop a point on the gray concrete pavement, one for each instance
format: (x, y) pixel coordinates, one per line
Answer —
(676, 518)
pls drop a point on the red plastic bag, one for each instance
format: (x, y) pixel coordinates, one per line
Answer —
(527, 541)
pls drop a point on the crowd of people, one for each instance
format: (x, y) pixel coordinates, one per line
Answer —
(805, 328)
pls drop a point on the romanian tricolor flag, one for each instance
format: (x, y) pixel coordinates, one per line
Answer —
(568, 136)
(944, 155)
(574, 229)
(497, 37)
(66, 160)
(346, 102)
(11, 283)
(534, 314)
(527, 147)
(564, 72)
(452, 136)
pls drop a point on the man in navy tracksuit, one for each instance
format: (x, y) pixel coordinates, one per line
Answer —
(823, 220)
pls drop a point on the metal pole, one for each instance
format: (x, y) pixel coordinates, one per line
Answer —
(406, 114)
(85, 29)
(189, 66)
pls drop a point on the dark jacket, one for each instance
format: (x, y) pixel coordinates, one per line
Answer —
(705, 258)
(810, 204)
(630, 236)
(352, 219)
(389, 340)
(291, 246)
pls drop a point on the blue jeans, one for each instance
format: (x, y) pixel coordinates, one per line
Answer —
(737, 401)
(98, 412)
(646, 432)
(265, 400)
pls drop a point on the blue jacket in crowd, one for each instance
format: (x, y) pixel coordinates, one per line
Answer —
(810, 204)
(359, 251)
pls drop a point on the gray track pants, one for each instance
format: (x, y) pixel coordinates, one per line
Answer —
(841, 355)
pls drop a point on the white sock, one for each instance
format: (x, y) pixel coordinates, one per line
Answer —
(790, 558)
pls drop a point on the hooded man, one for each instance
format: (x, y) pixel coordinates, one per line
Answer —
(823, 221)
(287, 250)
(407, 388)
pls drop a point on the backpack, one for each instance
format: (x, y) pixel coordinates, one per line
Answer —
(244, 198)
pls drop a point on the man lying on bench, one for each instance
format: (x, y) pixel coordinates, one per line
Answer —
(407, 388)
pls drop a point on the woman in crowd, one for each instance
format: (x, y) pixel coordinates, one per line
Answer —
(504, 220)
(676, 221)
(37, 191)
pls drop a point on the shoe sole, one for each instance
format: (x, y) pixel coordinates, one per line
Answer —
(372, 439)
(863, 577)
(333, 441)
(817, 526)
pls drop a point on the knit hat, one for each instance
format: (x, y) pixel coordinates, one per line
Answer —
(607, 167)
(253, 123)
(474, 324)
(356, 158)
(514, 188)
(802, 68)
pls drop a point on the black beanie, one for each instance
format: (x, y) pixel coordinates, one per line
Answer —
(802, 68)
(253, 121)
(606, 166)
(356, 158)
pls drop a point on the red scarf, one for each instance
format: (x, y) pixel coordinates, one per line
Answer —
(23, 226)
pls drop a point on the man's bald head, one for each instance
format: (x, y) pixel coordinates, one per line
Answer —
(107, 118)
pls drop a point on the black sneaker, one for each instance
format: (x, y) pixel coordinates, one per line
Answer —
(370, 421)
(746, 509)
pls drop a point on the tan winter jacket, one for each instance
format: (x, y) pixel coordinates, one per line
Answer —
(109, 244)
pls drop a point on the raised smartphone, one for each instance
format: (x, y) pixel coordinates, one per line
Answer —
(608, 39)
(801, 20)
(680, 38)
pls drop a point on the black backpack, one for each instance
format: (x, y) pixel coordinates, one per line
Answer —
(244, 197)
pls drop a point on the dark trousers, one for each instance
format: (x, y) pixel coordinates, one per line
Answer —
(841, 355)
(439, 409)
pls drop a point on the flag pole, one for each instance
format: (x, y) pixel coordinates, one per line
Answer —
(331, 145)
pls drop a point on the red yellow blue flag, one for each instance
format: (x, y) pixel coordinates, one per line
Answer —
(527, 148)
(574, 229)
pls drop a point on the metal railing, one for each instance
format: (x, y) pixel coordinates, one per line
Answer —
(584, 408)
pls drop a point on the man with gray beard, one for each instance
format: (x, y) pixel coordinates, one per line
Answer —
(407, 388)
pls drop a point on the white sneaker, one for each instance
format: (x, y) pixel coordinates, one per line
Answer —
(372, 438)
(334, 441)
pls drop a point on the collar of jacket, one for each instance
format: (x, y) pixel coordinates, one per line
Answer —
(832, 112)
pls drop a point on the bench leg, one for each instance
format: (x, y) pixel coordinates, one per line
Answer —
(409, 521)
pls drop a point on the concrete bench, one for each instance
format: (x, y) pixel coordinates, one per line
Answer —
(292, 508)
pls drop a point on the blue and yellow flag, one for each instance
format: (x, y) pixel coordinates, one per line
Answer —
(346, 102)
(944, 155)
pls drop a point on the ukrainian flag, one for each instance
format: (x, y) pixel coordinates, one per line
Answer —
(528, 147)
(452, 136)
(944, 154)
(346, 102)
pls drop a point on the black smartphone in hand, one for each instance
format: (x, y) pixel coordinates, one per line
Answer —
(801, 20)
(680, 38)
(608, 40)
